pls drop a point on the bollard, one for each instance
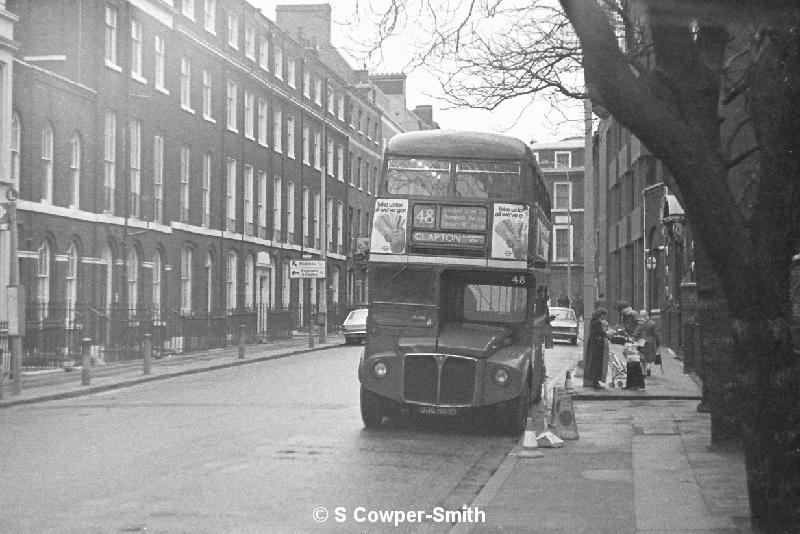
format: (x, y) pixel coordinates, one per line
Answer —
(147, 349)
(241, 341)
(86, 369)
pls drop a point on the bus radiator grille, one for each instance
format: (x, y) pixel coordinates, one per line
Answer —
(458, 381)
(422, 382)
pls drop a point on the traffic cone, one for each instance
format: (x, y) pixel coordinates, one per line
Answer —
(529, 443)
(565, 426)
(568, 384)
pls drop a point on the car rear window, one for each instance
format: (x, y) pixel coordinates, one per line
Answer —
(357, 315)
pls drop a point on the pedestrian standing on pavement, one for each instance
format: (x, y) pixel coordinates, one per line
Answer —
(597, 347)
(647, 330)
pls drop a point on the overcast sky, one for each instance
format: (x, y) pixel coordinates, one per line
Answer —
(520, 118)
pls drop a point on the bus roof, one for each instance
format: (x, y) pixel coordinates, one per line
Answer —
(458, 144)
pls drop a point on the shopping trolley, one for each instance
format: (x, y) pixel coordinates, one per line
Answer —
(618, 368)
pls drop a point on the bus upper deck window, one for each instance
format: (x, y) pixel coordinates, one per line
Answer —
(418, 177)
(487, 179)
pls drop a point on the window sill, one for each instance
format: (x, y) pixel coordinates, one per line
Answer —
(250, 137)
(113, 66)
(138, 78)
(233, 130)
(209, 119)
(187, 110)
(162, 90)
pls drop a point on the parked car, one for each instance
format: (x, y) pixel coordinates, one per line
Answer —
(564, 324)
(354, 326)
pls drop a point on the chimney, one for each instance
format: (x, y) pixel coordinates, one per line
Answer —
(425, 113)
(361, 76)
(306, 19)
(390, 84)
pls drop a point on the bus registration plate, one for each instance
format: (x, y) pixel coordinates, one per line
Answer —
(437, 410)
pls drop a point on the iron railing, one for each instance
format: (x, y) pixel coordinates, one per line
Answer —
(53, 333)
(5, 355)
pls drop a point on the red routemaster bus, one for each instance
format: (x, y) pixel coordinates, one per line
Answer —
(458, 275)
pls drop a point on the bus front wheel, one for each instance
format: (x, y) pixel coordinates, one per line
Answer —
(371, 408)
(516, 416)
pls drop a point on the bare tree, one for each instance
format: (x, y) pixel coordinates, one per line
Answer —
(694, 80)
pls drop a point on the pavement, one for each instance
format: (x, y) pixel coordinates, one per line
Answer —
(41, 386)
(641, 462)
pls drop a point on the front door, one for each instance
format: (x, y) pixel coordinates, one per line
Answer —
(263, 280)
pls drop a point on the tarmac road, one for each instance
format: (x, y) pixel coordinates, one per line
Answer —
(255, 448)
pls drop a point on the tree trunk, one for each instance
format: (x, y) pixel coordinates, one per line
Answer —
(718, 371)
(771, 422)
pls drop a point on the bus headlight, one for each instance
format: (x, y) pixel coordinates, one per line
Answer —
(379, 369)
(500, 376)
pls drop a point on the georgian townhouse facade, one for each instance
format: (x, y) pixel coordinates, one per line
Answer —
(563, 164)
(8, 176)
(171, 156)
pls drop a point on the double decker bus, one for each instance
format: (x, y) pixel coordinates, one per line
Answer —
(458, 268)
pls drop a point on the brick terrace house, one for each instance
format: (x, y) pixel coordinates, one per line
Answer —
(170, 156)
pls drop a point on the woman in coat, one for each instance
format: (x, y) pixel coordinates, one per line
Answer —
(597, 347)
(647, 330)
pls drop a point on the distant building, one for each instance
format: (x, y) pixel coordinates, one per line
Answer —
(562, 164)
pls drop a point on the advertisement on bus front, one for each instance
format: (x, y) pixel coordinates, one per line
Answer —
(510, 231)
(389, 226)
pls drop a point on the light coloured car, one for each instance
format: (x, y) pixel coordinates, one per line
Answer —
(354, 327)
(564, 324)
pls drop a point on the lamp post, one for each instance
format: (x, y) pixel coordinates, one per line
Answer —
(571, 246)
(16, 298)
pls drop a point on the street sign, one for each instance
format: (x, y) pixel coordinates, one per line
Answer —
(306, 269)
(16, 310)
(651, 262)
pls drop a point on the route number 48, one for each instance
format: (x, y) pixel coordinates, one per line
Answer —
(425, 216)
(518, 280)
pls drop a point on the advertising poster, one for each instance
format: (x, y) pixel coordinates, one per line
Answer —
(542, 240)
(389, 226)
(510, 231)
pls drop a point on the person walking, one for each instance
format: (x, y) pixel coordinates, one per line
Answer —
(647, 330)
(597, 346)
